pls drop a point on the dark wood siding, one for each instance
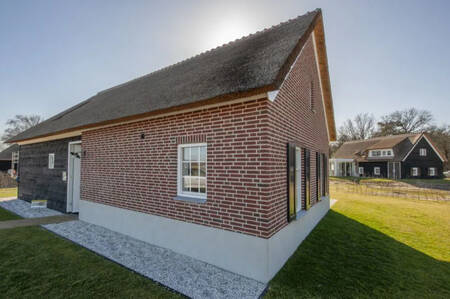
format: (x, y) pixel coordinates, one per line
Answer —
(5, 165)
(368, 168)
(423, 162)
(36, 180)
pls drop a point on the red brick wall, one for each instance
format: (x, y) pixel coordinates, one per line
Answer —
(123, 170)
(246, 158)
(293, 121)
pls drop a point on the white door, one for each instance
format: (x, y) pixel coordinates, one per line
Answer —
(75, 176)
(298, 179)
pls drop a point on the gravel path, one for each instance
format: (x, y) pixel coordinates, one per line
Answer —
(186, 275)
(23, 209)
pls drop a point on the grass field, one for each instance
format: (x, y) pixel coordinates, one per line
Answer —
(35, 263)
(6, 215)
(365, 247)
(8, 192)
(372, 247)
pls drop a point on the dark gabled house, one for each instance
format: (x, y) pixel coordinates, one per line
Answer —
(6, 158)
(222, 157)
(397, 157)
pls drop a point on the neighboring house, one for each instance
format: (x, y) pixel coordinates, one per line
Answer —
(222, 157)
(395, 157)
(6, 157)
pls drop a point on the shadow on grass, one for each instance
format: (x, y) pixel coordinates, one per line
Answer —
(343, 258)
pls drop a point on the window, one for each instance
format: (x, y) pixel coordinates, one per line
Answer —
(432, 171)
(376, 153)
(423, 152)
(192, 170)
(415, 171)
(376, 170)
(311, 97)
(381, 153)
(51, 161)
(361, 170)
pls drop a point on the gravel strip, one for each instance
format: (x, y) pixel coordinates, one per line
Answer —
(23, 209)
(181, 273)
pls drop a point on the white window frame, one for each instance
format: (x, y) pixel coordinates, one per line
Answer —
(423, 152)
(415, 171)
(180, 172)
(376, 170)
(360, 170)
(51, 161)
(381, 153)
(432, 171)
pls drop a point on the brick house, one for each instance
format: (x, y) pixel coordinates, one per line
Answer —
(222, 157)
(405, 156)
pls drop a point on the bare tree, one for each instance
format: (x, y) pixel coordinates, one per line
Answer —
(19, 124)
(441, 137)
(361, 127)
(404, 121)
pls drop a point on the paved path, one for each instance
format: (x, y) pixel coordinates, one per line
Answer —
(37, 221)
(23, 209)
(191, 277)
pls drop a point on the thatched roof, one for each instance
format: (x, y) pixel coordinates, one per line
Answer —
(401, 144)
(256, 62)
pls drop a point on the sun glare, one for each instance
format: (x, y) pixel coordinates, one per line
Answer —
(226, 31)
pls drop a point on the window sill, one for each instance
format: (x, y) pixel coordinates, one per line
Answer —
(190, 199)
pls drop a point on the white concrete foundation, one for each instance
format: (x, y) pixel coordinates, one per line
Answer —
(250, 256)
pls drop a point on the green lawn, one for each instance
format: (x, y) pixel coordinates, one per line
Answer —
(6, 215)
(365, 247)
(35, 263)
(372, 248)
(8, 192)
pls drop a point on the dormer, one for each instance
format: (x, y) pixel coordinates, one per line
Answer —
(381, 153)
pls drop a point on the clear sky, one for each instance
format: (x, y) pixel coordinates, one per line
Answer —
(383, 55)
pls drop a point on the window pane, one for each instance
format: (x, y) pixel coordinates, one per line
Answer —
(187, 183)
(202, 169)
(195, 168)
(195, 153)
(203, 153)
(202, 185)
(194, 184)
(186, 169)
(186, 153)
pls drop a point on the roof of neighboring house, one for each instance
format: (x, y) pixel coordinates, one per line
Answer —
(355, 149)
(248, 66)
(6, 154)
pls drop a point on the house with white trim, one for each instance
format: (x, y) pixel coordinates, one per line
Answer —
(395, 157)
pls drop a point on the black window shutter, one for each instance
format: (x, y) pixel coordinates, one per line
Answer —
(324, 174)
(307, 176)
(291, 181)
(318, 174)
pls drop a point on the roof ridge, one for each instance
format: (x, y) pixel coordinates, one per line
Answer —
(245, 37)
(382, 137)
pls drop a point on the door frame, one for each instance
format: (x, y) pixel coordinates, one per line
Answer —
(69, 177)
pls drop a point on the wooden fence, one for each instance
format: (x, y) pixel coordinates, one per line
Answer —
(388, 189)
